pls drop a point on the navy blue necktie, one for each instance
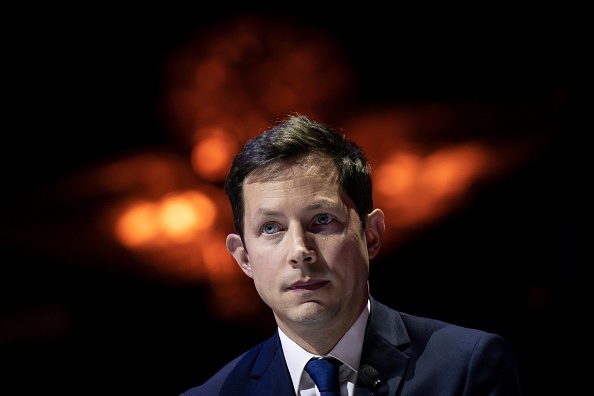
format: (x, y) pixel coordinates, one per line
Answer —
(324, 373)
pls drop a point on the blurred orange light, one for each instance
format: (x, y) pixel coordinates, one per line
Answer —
(451, 170)
(176, 218)
(219, 264)
(137, 225)
(212, 155)
(182, 215)
(397, 175)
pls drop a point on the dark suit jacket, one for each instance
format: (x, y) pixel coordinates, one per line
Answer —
(414, 356)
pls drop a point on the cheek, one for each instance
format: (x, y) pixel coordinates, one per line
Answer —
(259, 273)
(349, 256)
(263, 263)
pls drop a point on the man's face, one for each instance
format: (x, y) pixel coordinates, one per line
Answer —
(305, 247)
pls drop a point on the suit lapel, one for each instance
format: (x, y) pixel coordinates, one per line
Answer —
(270, 374)
(385, 336)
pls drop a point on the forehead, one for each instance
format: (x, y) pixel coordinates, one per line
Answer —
(313, 164)
(308, 183)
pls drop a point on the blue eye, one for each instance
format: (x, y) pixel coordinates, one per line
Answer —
(323, 218)
(270, 228)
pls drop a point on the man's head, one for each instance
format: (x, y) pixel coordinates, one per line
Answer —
(301, 197)
(298, 136)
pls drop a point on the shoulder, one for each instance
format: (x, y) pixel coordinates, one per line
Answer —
(445, 353)
(439, 334)
(482, 361)
(237, 372)
(407, 328)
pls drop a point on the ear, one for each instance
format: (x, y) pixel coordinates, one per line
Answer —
(374, 230)
(237, 250)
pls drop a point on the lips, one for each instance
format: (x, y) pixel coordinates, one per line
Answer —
(309, 285)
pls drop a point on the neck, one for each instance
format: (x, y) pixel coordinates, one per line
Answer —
(316, 341)
(317, 337)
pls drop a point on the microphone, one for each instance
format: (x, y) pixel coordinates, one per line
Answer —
(370, 378)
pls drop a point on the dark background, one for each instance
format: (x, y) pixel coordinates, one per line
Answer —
(75, 79)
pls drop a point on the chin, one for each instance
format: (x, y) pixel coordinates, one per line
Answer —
(310, 312)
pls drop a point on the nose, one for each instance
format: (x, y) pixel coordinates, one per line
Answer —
(301, 250)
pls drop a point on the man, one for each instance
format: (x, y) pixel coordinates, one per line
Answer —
(306, 232)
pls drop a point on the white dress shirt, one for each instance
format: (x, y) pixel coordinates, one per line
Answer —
(347, 350)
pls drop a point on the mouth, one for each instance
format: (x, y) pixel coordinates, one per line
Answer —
(308, 286)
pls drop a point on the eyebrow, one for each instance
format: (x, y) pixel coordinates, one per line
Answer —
(320, 203)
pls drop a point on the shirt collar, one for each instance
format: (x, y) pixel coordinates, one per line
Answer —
(347, 350)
